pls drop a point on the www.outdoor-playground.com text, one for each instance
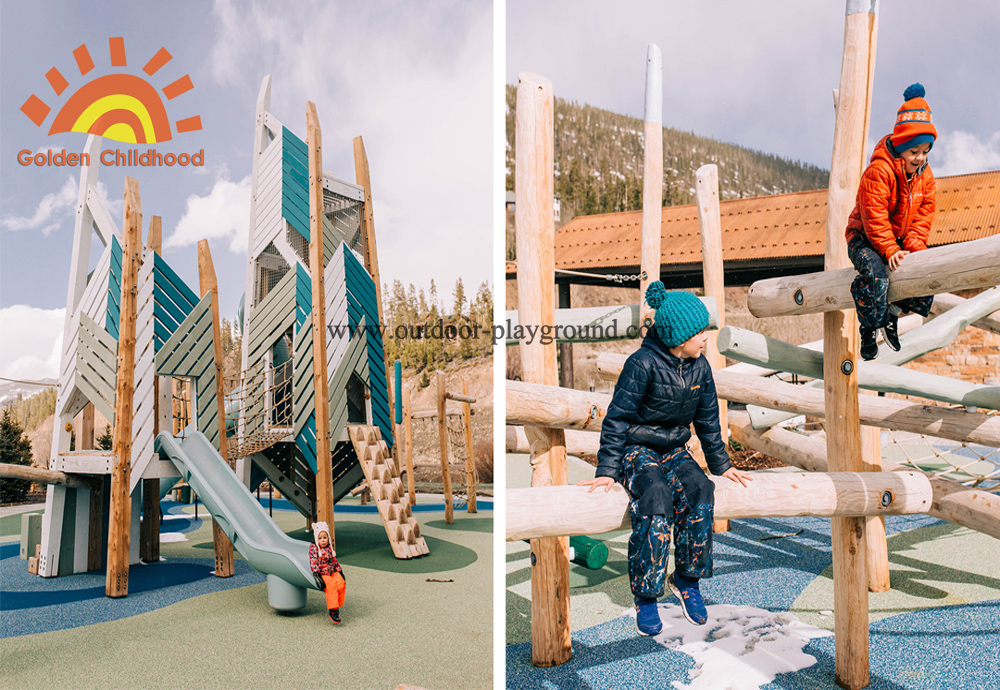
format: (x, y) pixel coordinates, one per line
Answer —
(500, 332)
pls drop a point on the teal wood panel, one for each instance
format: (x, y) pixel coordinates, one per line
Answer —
(173, 301)
(303, 295)
(114, 288)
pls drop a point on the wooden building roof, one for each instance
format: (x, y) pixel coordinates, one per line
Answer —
(761, 236)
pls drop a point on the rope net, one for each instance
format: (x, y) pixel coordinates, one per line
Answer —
(264, 396)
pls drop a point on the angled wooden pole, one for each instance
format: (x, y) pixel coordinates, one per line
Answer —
(120, 523)
(470, 465)
(710, 224)
(840, 344)
(207, 283)
(149, 532)
(551, 644)
(363, 177)
(442, 424)
(324, 467)
(652, 180)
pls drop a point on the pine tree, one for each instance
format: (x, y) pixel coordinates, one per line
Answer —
(105, 441)
(15, 449)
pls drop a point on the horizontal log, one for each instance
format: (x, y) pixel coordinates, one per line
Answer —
(424, 414)
(887, 413)
(958, 266)
(952, 502)
(37, 474)
(577, 442)
(945, 301)
(555, 511)
(591, 324)
(458, 397)
(755, 348)
(535, 404)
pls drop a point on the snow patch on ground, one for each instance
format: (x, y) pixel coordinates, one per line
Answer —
(172, 536)
(740, 648)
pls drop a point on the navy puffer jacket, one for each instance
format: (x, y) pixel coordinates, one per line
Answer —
(656, 399)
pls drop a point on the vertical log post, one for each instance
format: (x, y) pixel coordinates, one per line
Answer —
(652, 181)
(397, 395)
(470, 461)
(207, 283)
(363, 177)
(149, 533)
(710, 223)
(840, 345)
(120, 523)
(408, 431)
(95, 543)
(324, 460)
(551, 644)
(442, 420)
(565, 349)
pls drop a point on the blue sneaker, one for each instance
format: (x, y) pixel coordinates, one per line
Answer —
(690, 597)
(647, 618)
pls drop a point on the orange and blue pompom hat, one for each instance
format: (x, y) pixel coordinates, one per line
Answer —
(913, 121)
(679, 314)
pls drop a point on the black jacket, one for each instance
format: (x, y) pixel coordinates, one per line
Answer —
(657, 397)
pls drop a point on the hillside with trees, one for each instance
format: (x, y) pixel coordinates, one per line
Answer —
(599, 163)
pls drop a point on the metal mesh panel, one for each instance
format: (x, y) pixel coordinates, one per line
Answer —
(345, 215)
(298, 243)
(271, 267)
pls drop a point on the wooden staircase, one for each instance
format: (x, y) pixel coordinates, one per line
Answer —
(387, 491)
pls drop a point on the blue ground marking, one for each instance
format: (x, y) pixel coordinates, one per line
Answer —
(771, 575)
(282, 504)
(30, 604)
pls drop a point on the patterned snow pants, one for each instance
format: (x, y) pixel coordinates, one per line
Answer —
(870, 288)
(667, 490)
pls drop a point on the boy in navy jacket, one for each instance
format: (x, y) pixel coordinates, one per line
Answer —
(665, 386)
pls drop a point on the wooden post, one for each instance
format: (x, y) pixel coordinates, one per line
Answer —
(324, 466)
(652, 181)
(551, 643)
(95, 545)
(442, 420)
(470, 461)
(408, 422)
(840, 345)
(85, 440)
(565, 349)
(120, 523)
(149, 534)
(207, 283)
(710, 223)
(363, 177)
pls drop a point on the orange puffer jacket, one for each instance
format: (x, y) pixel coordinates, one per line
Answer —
(890, 207)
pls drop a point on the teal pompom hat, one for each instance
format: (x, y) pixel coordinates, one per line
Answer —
(679, 314)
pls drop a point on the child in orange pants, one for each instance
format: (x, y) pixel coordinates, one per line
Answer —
(324, 564)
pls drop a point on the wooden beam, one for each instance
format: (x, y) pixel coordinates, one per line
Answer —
(459, 397)
(574, 510)
(408, 426)
(953, 502)
(324, 471)
(551, 643)
(710, 224)
(363, 176)
(577, 442)
(470, 460)
(958, 266)
(207, 283)
(442, 424)
(119, 527)
(536, 404)
(840, 343)
(149, 535)
(41, 476)
(945, 301)
(652, 180)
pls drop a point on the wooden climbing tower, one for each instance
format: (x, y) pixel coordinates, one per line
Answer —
(387, 490)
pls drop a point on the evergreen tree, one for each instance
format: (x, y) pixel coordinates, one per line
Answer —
(105, 441)
(15, 449)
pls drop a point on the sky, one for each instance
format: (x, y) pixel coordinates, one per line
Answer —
(413, 79)
(761, 74)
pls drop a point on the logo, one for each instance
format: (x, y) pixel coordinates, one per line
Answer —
(119, 106)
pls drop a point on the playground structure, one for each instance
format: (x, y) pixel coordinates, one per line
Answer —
(314, 427)
(847, 480)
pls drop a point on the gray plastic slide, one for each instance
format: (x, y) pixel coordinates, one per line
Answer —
(254, 534)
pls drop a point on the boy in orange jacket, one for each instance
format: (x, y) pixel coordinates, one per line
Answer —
(892, 219)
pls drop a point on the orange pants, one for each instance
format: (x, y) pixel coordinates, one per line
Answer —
(335, 590)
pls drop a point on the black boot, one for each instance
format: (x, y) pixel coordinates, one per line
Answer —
(869, 348)
(891, 332)
(334, 615)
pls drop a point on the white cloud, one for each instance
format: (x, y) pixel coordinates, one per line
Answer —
(222, 214)
(959, 153)
(30, 342)
(56, 208)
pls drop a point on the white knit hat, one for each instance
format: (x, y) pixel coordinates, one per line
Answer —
(318, 527)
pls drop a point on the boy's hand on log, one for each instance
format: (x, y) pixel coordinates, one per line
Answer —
(897, 259)
(736, 475)
(606, 482)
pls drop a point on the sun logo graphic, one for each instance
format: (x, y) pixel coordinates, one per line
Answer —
(122, 107)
